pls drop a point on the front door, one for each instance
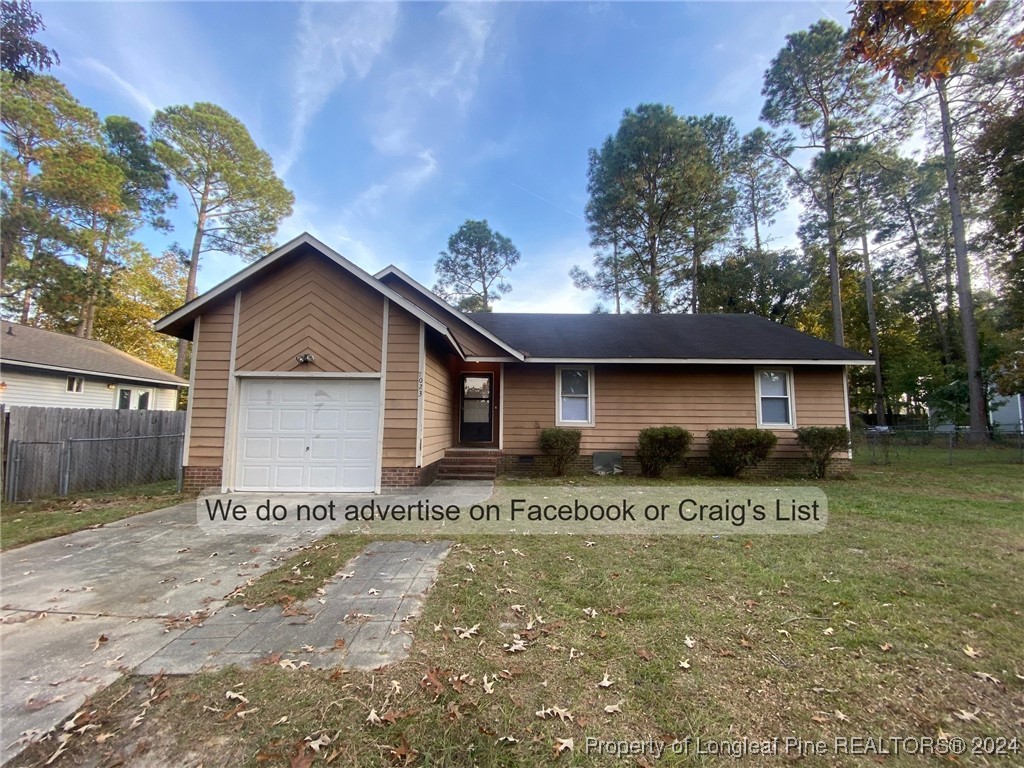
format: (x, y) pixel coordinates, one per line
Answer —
(476, 420)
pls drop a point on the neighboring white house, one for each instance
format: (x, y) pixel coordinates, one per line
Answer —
(1008, 413)
(54, 370)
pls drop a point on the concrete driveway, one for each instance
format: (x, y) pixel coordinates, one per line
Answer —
(79, 611)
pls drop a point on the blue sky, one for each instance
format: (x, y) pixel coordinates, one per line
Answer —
(394, 123)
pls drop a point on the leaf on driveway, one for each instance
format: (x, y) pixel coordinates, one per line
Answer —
(100, 641)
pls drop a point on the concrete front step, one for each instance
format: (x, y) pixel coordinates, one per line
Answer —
(469, 464)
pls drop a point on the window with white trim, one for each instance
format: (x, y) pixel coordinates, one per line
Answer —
(775, 397)
(76, 384)
(574, 396)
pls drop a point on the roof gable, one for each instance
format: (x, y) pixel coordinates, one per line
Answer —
(445, 311)
(180, 322)
(30, 347)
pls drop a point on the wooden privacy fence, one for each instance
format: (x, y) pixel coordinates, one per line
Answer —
(57, 451)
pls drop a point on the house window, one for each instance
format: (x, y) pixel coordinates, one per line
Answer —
(775, 398)
(76, 384)
(574, 396)
(124, 399)
(144, 401)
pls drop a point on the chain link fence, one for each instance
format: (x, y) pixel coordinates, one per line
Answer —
(40, 469)
(947, 446)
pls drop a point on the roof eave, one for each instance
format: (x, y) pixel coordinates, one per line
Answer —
(393, 270)
(698, 360)
(176, 383)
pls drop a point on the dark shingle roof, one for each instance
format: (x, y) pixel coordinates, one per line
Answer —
(36, 347)
(656, 337)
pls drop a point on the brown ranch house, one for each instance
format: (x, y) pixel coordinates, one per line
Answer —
(309, 374)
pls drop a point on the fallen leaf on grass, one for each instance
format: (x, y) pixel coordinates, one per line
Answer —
(236, 696)
(465, 633)
(563, 745)
(967, 717)
(518, 645)
(373, 718)
(828, 631)
(971, 652)
(590, 613)
(689, 642)
(885, 647)
(302, 758)
(507, 740)
(606, 682)
(321, 741)
(684, 664)
(988, 678)
(613, 708)
(644, 654)
(841, 717)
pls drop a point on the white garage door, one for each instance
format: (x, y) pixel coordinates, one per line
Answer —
(307, 435)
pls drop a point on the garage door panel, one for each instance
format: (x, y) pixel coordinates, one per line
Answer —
(361, 419)
(254, 448)
(292, 419)
(325, 419)
(258, 418)
(297, 434)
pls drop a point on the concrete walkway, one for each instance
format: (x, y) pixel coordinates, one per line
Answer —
(360, 621)
(79, 611)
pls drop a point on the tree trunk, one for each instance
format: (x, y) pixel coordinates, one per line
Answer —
(926, 280)
(193, 271)
(615, 273)
(833, 250)
(972, 354)
(869, 298)
(696, 272)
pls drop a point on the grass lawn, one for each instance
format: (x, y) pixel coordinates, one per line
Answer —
(24, 523)
(902, 619)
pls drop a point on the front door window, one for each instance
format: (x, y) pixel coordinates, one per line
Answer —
(477, 412)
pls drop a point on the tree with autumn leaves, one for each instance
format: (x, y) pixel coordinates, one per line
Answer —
(78, 189)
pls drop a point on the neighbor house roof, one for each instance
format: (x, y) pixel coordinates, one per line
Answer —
(639, 338)
(22, 345)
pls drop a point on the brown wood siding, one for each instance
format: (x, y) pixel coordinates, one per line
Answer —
(474, 344)
(313, 306)
(401, 388)
(629, 398)
(438, 407)
(210, 393)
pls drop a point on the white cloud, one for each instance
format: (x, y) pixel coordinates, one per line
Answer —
(145, 103)
(541, 282)
(334, 42)
(436, 87)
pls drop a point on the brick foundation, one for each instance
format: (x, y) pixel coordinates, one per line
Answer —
(513, 465)
(407, 477)
(196, 479)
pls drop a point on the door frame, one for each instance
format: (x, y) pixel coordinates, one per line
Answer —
(478, 369)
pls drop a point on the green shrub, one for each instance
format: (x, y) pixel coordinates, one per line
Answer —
(562, 445)
(657, 447)
(820, 443)
(733, 450)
